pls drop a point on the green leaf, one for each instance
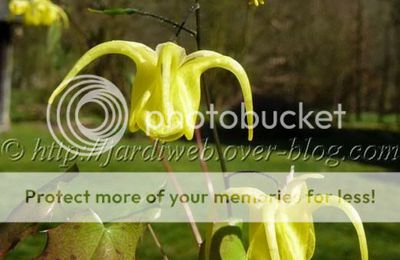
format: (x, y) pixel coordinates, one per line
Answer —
(29, 248)
(226, 243)
(93, 240)
(12, 233)
(45, 211)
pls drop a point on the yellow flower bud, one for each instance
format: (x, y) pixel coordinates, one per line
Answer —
(38, 12)
(18, 7)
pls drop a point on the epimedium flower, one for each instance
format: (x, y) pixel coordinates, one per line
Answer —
(287, 231)
(38, 12)
(166, 94)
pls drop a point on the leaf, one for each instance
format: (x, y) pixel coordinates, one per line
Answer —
(226, 243)
(93, 240)
(28, 248)
(12, 233)
(45, 211)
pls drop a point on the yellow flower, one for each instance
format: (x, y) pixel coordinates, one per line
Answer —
(287, 231)
(38, 12)
(18, 7)
(256, 2)
(166, 94)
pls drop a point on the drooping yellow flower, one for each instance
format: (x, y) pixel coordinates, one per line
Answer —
(38, 12)
(287, 231)
(256, 2)
(166, 94)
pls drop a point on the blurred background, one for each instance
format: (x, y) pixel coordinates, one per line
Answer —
(318, 52)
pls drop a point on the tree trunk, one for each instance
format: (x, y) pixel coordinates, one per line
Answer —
(5, 75)
(359, 63)
(396, 23)
(385, 73)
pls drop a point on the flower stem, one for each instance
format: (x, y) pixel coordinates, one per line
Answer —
(189, 214)
(203, 164)
(157, 242)
(182, 26)
(207, 94)
(129, 11)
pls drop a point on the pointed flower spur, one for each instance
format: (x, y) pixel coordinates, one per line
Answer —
(165, 96)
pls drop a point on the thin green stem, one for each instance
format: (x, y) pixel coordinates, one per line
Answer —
(203, 163)
(182, 26)
(198, 24)
(247, 25)
(129, 11)
(157, 242)
(207, 94)
(197, 132)
(177, 186)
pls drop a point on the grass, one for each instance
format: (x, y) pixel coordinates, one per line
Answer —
(29, 134)
(370, 120)
(334, 241)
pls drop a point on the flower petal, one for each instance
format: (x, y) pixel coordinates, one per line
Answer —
(201, 61)
(143, 56)
(18, 7)
(259, 245)
(349, 210)
(296, 240)
(297, 187)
